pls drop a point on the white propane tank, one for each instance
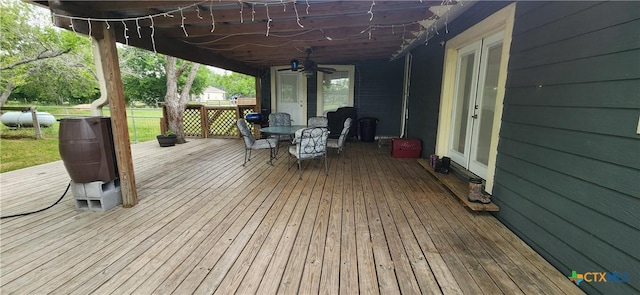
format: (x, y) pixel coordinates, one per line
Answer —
(24, 119)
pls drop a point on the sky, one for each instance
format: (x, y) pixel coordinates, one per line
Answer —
(219, 71)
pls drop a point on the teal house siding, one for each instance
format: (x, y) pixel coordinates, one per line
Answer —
(377, 93)
(568, 168)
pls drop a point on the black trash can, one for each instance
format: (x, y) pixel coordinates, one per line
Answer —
(368, 129)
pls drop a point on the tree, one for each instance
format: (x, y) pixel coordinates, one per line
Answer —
(26, 43)
(176, 104)
(145, 80)
(235, 84)
(143, 76)
(58, 81)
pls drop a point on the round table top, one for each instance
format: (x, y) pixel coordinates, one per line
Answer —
(282, 130)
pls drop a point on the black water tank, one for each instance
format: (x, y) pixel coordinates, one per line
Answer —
(86, 148)
(368, 129)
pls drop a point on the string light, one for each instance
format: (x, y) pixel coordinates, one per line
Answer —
(153, 32)
(325, 35)
(290, 36)
(126, 36)
(180, 9)
(151, 16)
(430, 24)
(138, 28)
(297, 16)
(242, 34)
(446, 20)
(213, 21)
(182, 18)
(268, 20)
(253, 12)
(427, 39)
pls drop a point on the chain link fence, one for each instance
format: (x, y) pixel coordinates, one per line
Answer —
(143, 123)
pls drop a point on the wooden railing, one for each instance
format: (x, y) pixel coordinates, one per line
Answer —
(211, 121)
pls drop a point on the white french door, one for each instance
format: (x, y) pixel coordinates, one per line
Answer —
(476, 90)
(290, 96)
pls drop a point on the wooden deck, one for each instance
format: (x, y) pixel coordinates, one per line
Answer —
(205, 225)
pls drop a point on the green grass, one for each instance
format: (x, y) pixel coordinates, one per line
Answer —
(20, 149)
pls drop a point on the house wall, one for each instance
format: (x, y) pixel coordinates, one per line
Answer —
(377, 93)
(568, 166)
(265, 93)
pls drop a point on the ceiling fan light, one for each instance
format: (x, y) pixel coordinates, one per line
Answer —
(294, 64)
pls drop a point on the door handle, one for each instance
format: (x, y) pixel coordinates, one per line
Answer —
(474, 116)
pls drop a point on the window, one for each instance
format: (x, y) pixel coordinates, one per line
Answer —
(335, 90)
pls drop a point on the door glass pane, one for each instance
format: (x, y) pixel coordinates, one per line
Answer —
(463, 94)
(288, 89)
(487, 109)
(335, 91)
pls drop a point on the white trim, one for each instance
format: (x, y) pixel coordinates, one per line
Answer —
(501, 20)
(404, 114)
(471, 49)
(351, 69)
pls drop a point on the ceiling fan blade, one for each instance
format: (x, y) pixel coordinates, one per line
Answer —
(326, 70)
(300, 69)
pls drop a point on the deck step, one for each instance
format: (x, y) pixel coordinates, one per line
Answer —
(458, 187)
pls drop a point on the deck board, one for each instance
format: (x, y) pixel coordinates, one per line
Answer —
(205, 224)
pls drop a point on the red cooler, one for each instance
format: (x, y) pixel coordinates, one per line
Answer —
(405, 148)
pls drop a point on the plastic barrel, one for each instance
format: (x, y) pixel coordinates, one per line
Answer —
(368, 129)
(86, 149)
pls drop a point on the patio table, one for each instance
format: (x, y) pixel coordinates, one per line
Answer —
(282, 130)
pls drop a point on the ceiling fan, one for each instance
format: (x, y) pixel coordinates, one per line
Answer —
(308, 67)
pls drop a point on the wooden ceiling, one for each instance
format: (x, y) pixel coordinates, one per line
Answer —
(247, 36)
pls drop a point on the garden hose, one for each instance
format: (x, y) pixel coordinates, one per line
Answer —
(33, 212)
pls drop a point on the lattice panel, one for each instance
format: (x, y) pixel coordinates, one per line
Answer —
(191, 121)
(222, 122)
(244, 115)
